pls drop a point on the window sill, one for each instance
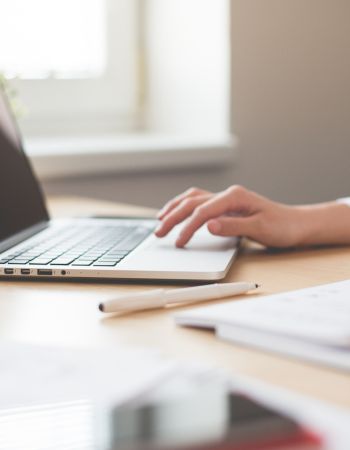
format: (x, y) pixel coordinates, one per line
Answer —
(64, 157)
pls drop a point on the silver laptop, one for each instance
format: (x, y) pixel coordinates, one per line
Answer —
(33, 245)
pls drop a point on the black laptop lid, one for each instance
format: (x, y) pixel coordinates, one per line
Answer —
(21, 201)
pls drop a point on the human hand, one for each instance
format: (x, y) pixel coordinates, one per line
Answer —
(235, 211)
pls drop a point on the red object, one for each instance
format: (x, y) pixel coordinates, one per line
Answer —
(303, 440)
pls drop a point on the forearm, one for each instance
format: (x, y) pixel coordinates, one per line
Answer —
(324, 223)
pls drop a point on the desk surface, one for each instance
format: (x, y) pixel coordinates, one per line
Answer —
(65, 313)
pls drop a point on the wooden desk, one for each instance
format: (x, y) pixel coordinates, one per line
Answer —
(65, 313)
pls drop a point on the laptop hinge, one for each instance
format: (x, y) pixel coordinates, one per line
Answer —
(22, 236)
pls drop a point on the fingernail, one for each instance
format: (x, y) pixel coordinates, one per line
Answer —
(179, 243)
(215, 226)
(158, 230)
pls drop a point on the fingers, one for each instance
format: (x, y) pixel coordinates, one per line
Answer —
(179, 213)
(192, 192)
(234, 226)
(200, 207)
(235, 199)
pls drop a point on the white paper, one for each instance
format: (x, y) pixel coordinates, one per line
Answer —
(339, 358)
(312, 323)
(34, 375)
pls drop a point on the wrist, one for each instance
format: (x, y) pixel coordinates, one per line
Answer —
(322, 224)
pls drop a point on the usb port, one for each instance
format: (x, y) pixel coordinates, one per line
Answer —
(44, 272)
(8, 271)
(25, 271)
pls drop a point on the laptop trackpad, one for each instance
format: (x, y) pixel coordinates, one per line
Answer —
(204, 252)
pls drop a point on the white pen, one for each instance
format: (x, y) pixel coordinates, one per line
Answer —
(160, 298)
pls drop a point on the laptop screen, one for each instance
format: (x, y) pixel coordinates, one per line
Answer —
(21, 201)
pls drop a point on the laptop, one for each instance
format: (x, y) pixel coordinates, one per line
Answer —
(32, 245)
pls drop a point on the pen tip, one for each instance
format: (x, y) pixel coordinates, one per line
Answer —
(101, 307)
(257, 285)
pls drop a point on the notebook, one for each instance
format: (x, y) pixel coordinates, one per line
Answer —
(312, 324)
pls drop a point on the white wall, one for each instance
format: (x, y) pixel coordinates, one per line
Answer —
(291, 109)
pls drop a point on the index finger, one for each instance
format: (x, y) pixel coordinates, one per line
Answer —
(227, 201)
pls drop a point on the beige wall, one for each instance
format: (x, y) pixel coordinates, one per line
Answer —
(291, 96)
(291, 109)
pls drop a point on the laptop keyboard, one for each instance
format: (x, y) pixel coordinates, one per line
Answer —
(97, 246)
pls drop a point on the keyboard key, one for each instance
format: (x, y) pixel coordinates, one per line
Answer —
(92, 255)
(120, 252)
(62, 261)
(117, 254)
(30, 255)
(81, 262)
(40, 261)
(18, 261)
(116, 260)
(104, 263)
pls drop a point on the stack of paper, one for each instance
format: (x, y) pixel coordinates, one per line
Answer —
(312, 324)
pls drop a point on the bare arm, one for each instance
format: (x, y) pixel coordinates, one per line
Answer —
(240, 212)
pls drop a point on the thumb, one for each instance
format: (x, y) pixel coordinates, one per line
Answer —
(231, 226)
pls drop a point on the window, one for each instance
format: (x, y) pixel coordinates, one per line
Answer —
(74, 63)
(74, 44)
(157, 71)
(189, 66)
